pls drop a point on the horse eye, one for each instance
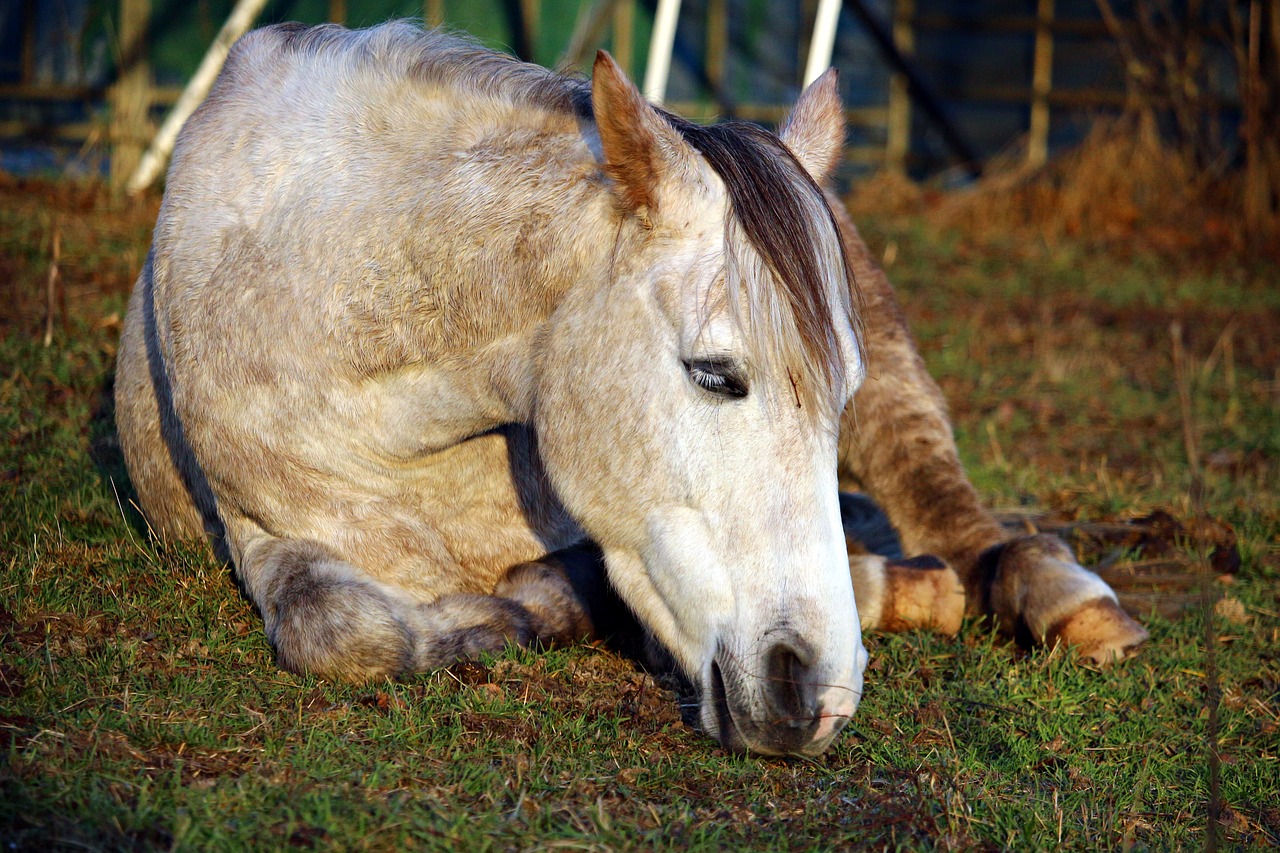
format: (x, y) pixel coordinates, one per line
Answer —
(718, 377)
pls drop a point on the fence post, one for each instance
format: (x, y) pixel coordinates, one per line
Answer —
(131, 95)
(1041, 85)
(624, 36)
(433, 11)
(898, 131)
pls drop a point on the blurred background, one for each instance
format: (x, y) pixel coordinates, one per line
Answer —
(940, 91)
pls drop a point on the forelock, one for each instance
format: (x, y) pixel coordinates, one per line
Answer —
(791, 311)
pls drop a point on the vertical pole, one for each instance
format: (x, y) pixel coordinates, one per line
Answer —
(898, 132)
(131, 95)
(337, 11)
(1041, 85)
(531, 18)
(661, 43)
(434, 13)
(624, 36)
(824, 40)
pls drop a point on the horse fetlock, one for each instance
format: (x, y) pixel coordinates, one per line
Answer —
(465, 625)
(1100, 631)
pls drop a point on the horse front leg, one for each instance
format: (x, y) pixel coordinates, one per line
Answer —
(896, 443)
(325, 616)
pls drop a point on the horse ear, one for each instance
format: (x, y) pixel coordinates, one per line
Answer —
(640, 148)
(814, 132)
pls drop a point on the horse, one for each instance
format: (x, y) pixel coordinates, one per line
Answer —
(419, 319)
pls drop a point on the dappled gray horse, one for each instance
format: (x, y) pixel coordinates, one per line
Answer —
(417, 316)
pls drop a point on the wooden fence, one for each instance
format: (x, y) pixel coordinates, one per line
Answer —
(890, 125)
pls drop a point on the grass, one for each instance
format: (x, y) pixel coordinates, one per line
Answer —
(140, 707)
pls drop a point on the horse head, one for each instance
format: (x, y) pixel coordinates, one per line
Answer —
(687, 409)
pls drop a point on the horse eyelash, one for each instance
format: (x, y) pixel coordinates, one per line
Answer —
(717, 377)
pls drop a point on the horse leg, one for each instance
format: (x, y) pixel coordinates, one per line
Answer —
(543, 588)
(325, 616)
(896, 443)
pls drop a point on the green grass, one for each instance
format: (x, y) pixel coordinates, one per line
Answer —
(140, 707)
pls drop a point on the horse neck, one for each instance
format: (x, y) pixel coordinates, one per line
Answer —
(494, 216)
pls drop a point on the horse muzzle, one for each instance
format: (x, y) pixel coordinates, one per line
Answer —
(790, 706)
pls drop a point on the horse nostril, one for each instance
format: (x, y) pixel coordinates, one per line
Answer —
(792, 691)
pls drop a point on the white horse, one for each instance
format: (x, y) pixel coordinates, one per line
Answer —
(417, 315)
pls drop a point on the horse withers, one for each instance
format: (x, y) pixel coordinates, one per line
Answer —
(417, 315)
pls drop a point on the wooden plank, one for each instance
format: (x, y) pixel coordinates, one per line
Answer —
(38, 131)
(60, 92)
(1062, 98)
(871, 117)
(1041, 86)
(1010, 24)
(131, 94)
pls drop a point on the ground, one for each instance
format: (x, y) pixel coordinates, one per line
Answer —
(140, 707)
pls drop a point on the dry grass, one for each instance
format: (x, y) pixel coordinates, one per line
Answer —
(1123, 189)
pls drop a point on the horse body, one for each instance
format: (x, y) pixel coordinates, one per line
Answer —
(416, 315)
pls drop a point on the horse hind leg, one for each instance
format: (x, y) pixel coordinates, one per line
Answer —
(325, 616)
(901, 595)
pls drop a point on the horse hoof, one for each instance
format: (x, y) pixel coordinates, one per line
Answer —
(922, 592)
(1100, 632)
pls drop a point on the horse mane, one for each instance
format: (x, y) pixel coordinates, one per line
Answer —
(775, 204)
(405, 50)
